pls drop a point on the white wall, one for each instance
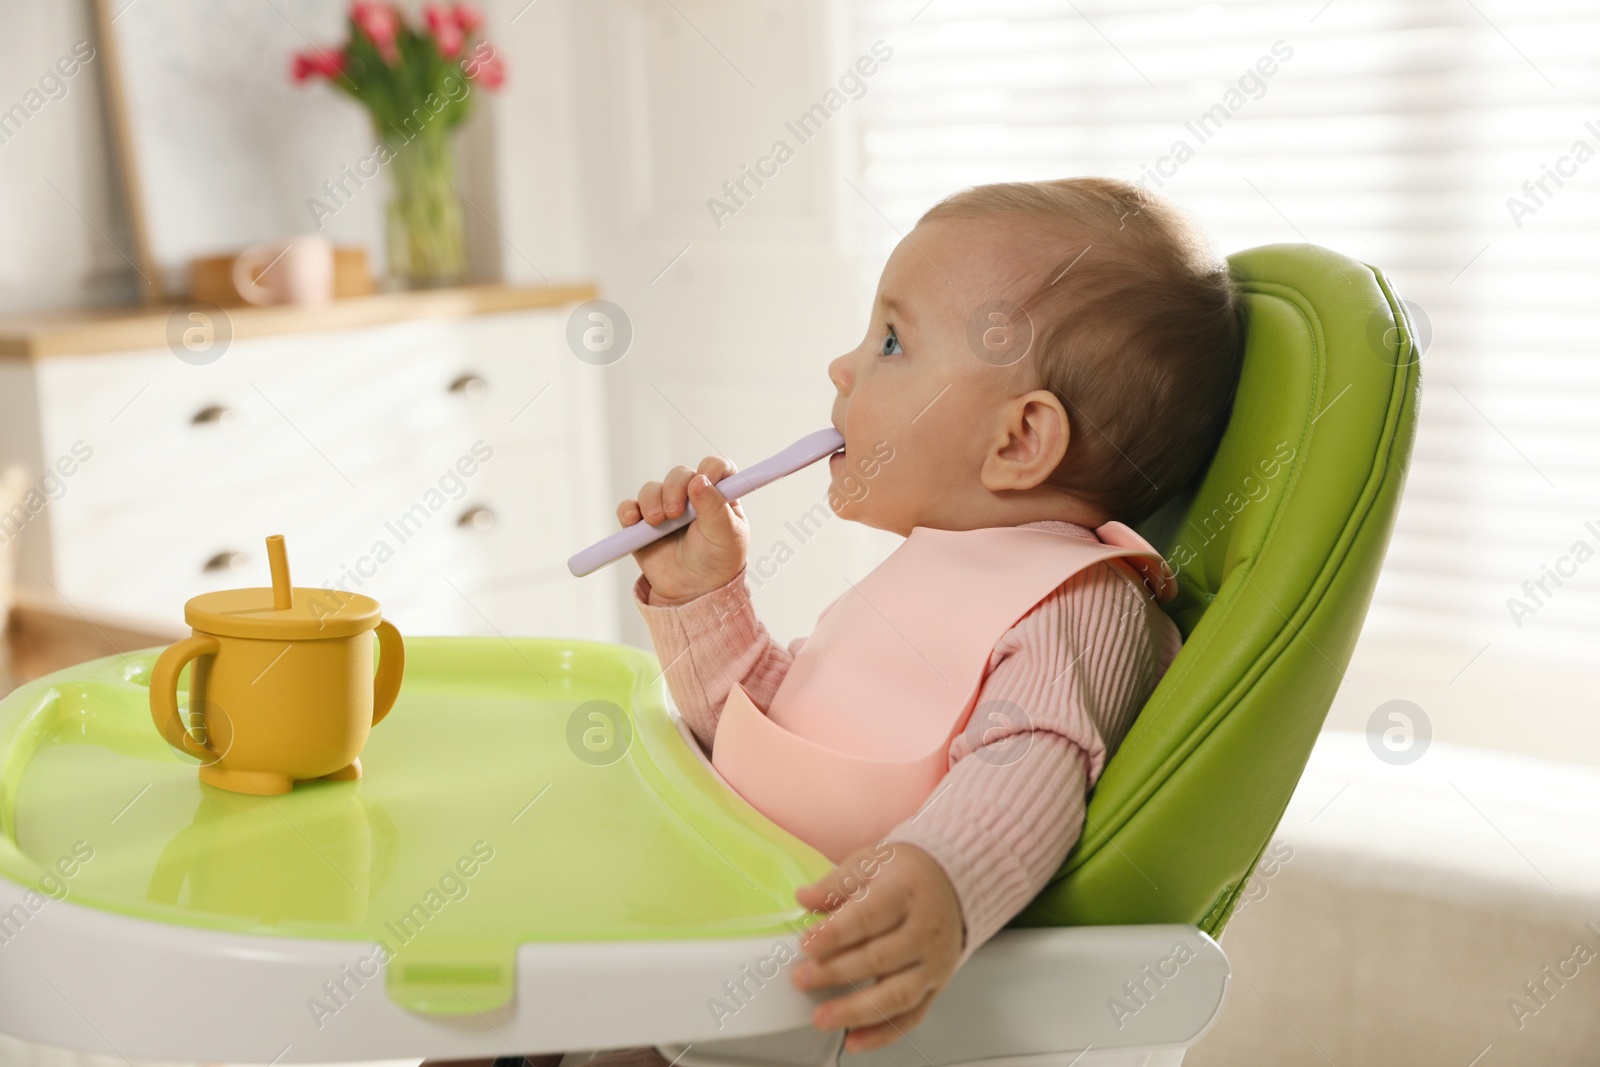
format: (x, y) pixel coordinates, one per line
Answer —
(50, 253)
(634, 114)
(619, 120)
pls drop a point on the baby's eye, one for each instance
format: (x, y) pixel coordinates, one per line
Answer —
(891, 344)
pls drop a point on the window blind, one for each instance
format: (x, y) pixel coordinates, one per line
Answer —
(1454, 144)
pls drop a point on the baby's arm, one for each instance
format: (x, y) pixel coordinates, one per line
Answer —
(692, 595)
(710, 643)
(1006, 829)
(1067, 681)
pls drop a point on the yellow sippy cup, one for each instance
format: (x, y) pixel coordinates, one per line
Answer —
(282, 687)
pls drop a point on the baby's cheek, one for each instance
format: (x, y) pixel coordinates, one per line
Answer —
(876, 468)
(852, 486)
(845, 494)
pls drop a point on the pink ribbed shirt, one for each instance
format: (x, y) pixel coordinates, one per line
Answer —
(1082, 662)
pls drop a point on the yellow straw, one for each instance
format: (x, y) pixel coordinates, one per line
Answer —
(278, 560)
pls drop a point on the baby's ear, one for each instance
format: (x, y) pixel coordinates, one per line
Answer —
(1030, 443)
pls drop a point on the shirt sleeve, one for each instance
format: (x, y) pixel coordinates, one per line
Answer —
(708, 644)
(1064, 686)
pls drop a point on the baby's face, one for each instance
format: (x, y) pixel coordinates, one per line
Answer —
(916, 389)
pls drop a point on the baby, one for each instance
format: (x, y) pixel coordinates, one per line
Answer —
(1043, 356)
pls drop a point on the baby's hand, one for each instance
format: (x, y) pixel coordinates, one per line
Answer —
(703, 556)
(905, 930)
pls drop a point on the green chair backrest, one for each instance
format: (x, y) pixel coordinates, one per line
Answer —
(1276, 548)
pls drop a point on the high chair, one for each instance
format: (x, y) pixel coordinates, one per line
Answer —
(1277, 550)
(643, 903)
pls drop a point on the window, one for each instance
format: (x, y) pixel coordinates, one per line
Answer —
(1454, 144)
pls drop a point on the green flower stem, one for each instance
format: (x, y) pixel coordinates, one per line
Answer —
(426, 246)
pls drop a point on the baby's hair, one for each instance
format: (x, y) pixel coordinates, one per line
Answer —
(1137, 330)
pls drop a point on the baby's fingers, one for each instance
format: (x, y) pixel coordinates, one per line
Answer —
(675, 491)
(903, 997)
(877, 956)
(628, 512)
(716, 468)
(650, 502)
(887, 1032)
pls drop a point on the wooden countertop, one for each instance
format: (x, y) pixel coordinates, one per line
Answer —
(75, 333)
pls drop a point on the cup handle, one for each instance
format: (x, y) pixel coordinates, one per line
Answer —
(164, 692)
(244, 275)
(391, 666)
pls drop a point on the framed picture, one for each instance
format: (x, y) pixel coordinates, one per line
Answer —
(219, 148)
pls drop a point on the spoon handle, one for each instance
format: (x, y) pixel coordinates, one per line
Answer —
(797, 456)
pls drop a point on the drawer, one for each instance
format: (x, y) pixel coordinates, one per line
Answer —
(421, 456)
(509, 521)
(412, 391)
(322, 409)
(146, 563)
(564, 607)
(485, 518)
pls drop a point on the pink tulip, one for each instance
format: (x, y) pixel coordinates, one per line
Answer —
(450, 41)
(488, 71)
(446, 33)
(493, 73)
(469, 18)
(437, 16)
(380, 23)
(318, 63)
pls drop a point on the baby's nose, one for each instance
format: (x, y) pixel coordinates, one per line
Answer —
(839, 374)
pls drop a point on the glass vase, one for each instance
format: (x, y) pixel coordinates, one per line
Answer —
(424, 219)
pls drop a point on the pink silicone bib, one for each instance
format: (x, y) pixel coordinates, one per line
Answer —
(859, 731)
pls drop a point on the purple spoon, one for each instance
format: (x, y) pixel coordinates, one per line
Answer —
(797, 456)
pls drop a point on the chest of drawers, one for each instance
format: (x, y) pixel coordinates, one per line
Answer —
(444, 458)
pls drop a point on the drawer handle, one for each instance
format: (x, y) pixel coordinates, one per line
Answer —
(478, 518)
(470, 386)
(214, 415)
(228, 560)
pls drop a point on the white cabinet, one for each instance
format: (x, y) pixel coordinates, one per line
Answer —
(445, 466)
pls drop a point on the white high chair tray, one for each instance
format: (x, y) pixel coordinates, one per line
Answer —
(638, 902)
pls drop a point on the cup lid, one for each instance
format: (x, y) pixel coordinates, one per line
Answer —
(313, 614)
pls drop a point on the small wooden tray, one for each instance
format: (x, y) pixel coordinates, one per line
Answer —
(211, 277)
